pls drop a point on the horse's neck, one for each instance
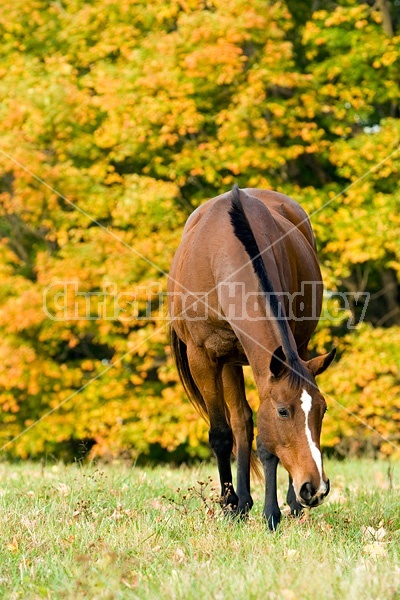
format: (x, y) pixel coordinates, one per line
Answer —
(260, 339)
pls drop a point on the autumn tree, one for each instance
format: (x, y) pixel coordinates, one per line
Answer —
(117, 119)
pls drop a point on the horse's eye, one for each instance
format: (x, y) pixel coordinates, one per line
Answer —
(283, 413)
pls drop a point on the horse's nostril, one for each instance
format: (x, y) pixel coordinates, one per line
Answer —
(307, 491)
(328, 487)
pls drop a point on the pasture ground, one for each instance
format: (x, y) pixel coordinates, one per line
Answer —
(119, 532)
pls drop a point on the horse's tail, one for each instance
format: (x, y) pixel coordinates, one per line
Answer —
(179, 353)
(255, 466)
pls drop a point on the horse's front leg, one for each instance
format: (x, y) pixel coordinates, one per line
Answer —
(269, 461)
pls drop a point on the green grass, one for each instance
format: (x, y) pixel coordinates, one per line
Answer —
(108, 532)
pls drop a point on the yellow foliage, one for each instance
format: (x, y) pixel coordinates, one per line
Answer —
(117, 118)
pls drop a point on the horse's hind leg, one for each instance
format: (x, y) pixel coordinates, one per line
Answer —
(208, 378)
(241, 420)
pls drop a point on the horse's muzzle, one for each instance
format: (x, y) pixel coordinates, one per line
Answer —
(311, 497)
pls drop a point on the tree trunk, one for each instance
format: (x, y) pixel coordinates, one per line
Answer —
(384, 7)
(390, 292)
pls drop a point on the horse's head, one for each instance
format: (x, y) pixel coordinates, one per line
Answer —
(289, 423)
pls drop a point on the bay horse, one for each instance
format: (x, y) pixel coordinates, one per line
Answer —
(237, 296)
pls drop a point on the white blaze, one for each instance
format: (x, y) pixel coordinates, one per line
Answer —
(306, 403)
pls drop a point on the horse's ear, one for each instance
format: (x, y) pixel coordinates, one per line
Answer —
(319, 364)
(278, 362)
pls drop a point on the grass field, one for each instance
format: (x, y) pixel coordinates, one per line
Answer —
(119, 532)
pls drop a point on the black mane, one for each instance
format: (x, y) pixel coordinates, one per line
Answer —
(241, 226)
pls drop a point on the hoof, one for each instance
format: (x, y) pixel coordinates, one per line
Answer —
(239, 510)
(242, 511)
(229, 510)
(235, 512)
(272, 519)
(229, 499)
(295, 509)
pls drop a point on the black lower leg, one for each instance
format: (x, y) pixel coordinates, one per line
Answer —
(243, 470)
(269, 461)
(295, 507)
(221, 441)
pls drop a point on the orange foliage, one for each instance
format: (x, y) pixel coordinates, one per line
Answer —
(117, 118)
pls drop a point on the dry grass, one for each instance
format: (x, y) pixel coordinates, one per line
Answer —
(117, 532)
